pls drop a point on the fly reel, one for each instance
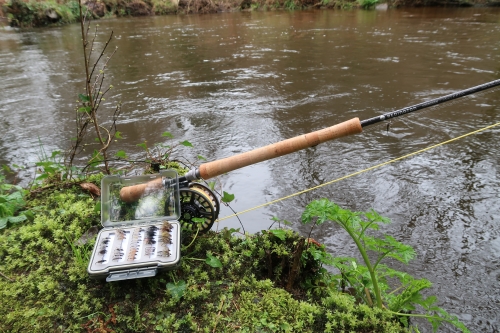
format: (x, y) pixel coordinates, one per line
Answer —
(198, 201)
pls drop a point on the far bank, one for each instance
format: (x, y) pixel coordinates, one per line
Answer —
(33, 13)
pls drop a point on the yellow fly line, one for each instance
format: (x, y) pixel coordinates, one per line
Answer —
(357, 172)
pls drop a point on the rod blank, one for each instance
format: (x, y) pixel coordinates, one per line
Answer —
(430, 103)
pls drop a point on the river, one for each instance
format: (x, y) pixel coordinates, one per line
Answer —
(232, 82)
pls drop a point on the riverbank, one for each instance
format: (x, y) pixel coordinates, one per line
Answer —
(224, 283)
(33, 13)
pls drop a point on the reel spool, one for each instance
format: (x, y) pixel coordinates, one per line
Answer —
(198, 201)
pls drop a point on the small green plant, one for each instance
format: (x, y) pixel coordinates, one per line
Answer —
(51, 168)
(370, 282)
(81, 253)
(11, 204)
(291, 5)
(160, 157)
(367, 4)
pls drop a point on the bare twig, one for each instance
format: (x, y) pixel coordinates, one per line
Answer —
(94, 96)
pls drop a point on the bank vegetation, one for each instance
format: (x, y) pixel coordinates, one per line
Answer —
(35, 13)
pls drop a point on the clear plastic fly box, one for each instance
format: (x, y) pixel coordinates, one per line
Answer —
(141, 233)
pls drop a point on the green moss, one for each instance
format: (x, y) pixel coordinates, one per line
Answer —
(44, 288)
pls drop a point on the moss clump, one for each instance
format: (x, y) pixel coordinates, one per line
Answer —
(44, 285)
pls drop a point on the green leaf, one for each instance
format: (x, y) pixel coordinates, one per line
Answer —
(118, 135)
(280, 233)
(3, 222)
(213, 261)
(85, 109)
(97, 207)
(28, 213)
(201, 158)
(211, 185)
(226, 233)
(167, 134)
(84, 98)
(17, 219)
(176, 289)
(186, 143)
(121, 154)
(143, 146)
(320, 209)
(42, 176)
(198, 220)
(227, 197)
(96, 155)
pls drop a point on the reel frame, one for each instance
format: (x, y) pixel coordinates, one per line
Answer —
(197, 201)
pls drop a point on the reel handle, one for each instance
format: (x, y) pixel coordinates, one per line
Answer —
(219, 167)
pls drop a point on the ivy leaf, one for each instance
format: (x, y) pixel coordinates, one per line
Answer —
(213, 261)
(280, 233)
(227, 197)
(186, 143)
(143, 146)
(118, 135)
(177, 289)
(167, 134)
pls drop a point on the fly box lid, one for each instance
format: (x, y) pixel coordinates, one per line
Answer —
(139, 237)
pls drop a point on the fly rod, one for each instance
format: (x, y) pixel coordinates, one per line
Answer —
(353, 126)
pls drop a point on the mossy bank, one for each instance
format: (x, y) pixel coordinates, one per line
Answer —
(34, 13)
(44, 285)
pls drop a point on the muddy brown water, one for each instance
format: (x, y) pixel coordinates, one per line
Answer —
(230, 83)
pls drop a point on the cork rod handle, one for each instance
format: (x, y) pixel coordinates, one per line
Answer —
(219, 167)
